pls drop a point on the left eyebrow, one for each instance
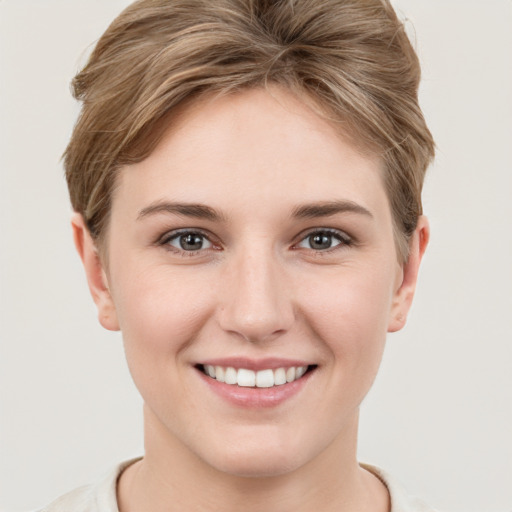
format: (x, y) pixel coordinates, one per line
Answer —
(328, 208)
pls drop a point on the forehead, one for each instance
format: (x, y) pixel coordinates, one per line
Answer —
(254, 145)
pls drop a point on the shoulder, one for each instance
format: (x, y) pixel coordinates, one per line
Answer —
(79, 500)
(97, 497)
(400, 500)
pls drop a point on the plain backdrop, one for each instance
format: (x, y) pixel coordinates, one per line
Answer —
(440, 414)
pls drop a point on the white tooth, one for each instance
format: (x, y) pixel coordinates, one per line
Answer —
(210, 370)
(230, 376)
(220, 374)
(265, 379)
(290, 374)
(301, 370)
(280, 376)
(246, 378)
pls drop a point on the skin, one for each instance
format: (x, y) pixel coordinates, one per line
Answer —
(256, 289)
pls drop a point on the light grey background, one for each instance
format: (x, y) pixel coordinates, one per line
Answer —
(440, 415)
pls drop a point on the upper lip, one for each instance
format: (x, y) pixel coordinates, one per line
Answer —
(271, 363)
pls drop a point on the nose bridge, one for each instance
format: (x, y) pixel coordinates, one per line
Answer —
(257, 303)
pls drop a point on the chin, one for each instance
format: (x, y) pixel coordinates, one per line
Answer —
(256, 459)
(258, 466)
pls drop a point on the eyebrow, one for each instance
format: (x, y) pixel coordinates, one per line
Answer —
(196, 210)
(201, 211)
(328, 208)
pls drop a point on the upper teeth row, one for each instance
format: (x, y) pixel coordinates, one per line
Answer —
(249, 378)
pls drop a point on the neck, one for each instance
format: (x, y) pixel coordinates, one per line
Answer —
(171, 477)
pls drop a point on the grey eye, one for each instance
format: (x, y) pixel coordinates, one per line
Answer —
(321, 241)
(190, 242)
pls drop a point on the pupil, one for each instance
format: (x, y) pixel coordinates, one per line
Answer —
(320, 241)
(191, 242)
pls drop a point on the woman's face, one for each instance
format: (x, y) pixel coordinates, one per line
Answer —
(253, 238)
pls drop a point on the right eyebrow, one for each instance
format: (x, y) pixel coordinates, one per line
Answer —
(196, 210)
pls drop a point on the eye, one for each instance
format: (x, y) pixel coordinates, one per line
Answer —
(323, 240)
(188, 241)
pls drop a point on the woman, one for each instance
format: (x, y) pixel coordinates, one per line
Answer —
(246, 178)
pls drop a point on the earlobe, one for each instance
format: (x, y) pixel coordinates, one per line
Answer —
(404, 293)
(95, 273)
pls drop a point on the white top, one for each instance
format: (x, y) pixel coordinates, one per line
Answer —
(101, 496)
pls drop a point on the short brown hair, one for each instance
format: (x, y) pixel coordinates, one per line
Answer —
(352, 57)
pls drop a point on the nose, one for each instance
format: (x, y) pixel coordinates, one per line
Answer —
(256, 302)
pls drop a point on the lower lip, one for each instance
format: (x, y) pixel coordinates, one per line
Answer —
(256, 397)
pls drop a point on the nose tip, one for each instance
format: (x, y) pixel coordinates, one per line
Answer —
(255, 329)
(257, 303)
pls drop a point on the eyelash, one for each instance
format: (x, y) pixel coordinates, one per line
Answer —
(343, 239)
(168, 237)
(164, 241)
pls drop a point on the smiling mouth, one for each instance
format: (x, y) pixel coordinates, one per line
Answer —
(246, 378)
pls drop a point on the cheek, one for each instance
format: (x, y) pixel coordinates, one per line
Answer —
(349, 312)
(160, 313)
(346, 315)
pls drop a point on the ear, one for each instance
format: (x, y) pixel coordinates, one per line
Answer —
(96, 275)
(406, 287)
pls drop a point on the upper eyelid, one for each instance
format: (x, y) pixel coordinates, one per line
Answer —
(173, 233)
(332, 231)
